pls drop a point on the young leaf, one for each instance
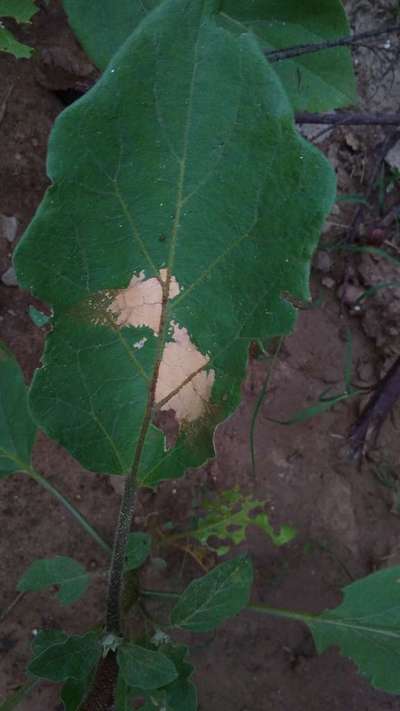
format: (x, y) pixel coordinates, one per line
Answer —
(17, 431)
(39, 318)
(19, 10)
(74, 658)
(316, 82)
(228, 517)
(143, 668)
(71, 577)
(235, 215)
(138, 549)
(366, 627)
(212, 599)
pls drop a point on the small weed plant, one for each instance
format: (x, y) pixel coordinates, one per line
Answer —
(184, 206)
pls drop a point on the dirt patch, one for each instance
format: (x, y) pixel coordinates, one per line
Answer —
(346, 517)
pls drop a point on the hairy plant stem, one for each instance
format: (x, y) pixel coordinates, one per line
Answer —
(40, 479)
(114, 595)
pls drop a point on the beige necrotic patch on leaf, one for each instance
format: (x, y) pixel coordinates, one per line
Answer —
(183, 385)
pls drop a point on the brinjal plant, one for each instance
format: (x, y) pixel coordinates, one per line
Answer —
(184, 206)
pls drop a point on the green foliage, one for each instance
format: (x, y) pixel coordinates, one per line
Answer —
(179, 183)
(68, 658)
(17, 430)
(219, 143)
(143, 668)
(227, 517)
(137, 550)
(212, 599)
(70, 576)
(21, 11)
(314, 82)
(366, 627)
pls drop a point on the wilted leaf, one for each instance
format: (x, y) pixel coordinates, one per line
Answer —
(19, 10)
(17, 430)
(228, 516)
(182, 209)
(212, 599)
(144, 668)
(71, 577)
(366, 627)
(74, 658)
(314, 82)
(138, 549)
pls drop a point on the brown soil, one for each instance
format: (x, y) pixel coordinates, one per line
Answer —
(347, 520)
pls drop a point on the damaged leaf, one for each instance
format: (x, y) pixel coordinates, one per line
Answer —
(227, 518)
(183, 209)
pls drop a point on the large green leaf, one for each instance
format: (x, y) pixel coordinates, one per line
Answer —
(68, 574)
(180, 175)
(71, 658)
(17, 431)
(214, 598)
(366, 627)
(314, 82)
(144, 668)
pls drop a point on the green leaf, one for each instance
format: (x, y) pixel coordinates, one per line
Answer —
(236, 213)
(314, 82)
(17, 431)
(19, 10)
(69, 575)
(212, 599)
(227, 517)
(74, 658)
(101, 29)
(46, 639)
(137, 550)
(143, 668)
(73, 693)
(366, 627)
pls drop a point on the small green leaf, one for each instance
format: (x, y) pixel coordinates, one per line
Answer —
(366, 627)
(46, 639)
(19, 10)
(39, 318)
(212, 599)
(138, 549)
(65, 572)
(74, 658)
(73, 693)
(17, 430)
(228, 516)
(144, 668)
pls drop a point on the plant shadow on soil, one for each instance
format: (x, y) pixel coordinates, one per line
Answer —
(344, 516)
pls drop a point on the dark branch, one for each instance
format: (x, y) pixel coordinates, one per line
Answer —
(366, 430)
(349, 119)
(277, 55)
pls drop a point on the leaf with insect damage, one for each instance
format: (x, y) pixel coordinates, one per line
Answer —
(180, 210)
